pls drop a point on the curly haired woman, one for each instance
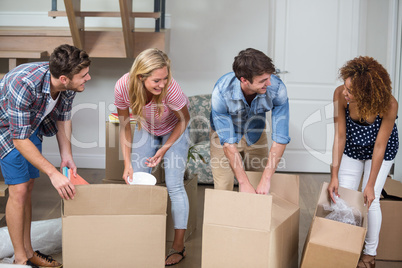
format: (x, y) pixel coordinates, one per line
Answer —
(366, 140)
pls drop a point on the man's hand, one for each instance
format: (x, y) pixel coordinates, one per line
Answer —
(264, 186)
(246, 187)
(63, 185)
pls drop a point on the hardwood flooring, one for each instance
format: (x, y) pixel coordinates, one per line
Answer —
(46, 205)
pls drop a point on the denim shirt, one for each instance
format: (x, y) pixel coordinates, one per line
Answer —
(232, 117)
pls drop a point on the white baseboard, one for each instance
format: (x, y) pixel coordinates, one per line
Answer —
(81, 160)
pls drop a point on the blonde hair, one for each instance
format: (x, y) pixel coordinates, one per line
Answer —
(144, 64)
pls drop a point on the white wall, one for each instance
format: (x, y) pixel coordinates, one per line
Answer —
(205, 37)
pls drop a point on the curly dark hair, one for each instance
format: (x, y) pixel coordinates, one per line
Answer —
(370, 85)
(251, 62)
(68, 60)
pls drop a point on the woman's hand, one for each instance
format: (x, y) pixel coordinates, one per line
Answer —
(333, 188)
(369, 195)
(156, 159)
(128, 174)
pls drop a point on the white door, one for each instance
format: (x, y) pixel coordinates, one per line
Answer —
(311, 40)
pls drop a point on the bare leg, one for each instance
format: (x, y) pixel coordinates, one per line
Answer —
(15, 216)
(178, 245)
(28, 220)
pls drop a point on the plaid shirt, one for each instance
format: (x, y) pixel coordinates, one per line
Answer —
(24, 95)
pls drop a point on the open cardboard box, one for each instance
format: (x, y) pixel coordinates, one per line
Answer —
(331, 243)
(390, 243)
(114, 225)
(251, 230)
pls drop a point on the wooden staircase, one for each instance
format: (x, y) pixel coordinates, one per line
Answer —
(19, 44)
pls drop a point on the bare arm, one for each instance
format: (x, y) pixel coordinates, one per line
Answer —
(183, 117)
(60, 182)
(339, 140)
(63, 137)
(380, 146)
(275, 155)
(125, 142)
(236, 164)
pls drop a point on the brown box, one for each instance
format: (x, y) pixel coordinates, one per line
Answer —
(331, 243)
(390, 244)
(113, 225)
(114, 159)
(191, 188)
(250, 230)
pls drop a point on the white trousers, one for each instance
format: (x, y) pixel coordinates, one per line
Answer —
(350, 173)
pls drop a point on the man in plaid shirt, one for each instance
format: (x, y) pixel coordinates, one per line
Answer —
(35, 100)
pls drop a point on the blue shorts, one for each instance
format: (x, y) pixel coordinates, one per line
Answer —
(16, 169)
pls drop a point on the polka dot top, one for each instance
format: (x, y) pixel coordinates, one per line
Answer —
(360, 139)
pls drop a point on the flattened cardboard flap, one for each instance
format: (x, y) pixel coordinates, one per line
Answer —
(284, 185)
(235, 209)
(393, 187)
(117, 199)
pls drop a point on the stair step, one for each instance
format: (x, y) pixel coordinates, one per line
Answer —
(3, 188)
(154, 15)
(22, 54)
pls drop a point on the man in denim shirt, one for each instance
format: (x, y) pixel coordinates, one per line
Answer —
(239, 102)
(35, 100)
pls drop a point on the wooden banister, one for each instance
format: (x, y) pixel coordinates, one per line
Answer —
(76, 22)
(126, 7)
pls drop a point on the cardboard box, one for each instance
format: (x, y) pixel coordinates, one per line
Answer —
(390, 244)
(114, 158)
(331, 243)
(112, 225)
(250, 230)
(114, 165)
(191, 188)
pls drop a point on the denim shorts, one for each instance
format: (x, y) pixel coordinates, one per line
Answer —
(16, 169)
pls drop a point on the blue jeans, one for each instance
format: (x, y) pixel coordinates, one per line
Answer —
(144, 146)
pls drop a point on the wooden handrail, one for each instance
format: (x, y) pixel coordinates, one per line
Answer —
(152, 15)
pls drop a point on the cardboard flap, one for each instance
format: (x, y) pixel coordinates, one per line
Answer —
(284, 185)
(235, 209)
(393, 187)
(117, 199)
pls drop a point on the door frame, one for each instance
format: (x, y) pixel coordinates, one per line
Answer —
(397, 55)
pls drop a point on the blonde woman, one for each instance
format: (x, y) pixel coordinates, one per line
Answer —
(161, 109)
(366, 140)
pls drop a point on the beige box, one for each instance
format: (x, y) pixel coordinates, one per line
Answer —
(251, 230)
(331, 243)
(390, 243)
(191, 188)
(114, 165)
(113, 225)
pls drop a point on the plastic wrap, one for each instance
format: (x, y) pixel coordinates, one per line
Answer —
(342, 212)
(45, 237)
